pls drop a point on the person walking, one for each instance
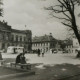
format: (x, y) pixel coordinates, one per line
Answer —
(78, 55)
(43, 51)
(1, 56)
(38, 52)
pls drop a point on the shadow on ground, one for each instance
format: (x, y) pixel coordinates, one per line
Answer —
(50, 72)
(55, 72)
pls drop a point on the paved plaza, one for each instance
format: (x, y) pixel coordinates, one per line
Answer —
(48, 58)
(49, 67)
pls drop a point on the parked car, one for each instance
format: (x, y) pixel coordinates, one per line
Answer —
(65, 52)
(55, 52)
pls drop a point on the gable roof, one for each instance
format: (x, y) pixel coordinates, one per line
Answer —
(44, 38)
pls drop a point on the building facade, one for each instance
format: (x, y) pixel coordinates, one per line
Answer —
(69, 46)
(13, 37)
(46, 42)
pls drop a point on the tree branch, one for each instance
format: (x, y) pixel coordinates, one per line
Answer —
(72, 5)
(65, 14)
(62, 4)
(56, 10)
(66, 24)
(61, 18)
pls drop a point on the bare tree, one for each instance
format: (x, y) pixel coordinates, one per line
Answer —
(1, 9)
(67, 9)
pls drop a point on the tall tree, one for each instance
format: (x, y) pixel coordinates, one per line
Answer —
(1, 9)
(66, 8)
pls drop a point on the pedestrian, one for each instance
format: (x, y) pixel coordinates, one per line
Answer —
(1, 56)
(43, 51)
(38, 51)
(52, 50)
(78, 55)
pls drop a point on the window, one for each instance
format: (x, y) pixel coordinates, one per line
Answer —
(24, 38)
(41, 44)
(7, 37)
(20, 38)
(3, 37)
(8, 45)
(12, 38)
(3, 45)
(16, 37)
(46, 44)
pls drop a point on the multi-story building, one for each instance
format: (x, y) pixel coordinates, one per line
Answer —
(13, 37)
(45, 42)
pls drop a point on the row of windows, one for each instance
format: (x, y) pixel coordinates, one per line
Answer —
(40, 44)
(13, 38)
(4, 45)
(4, 37)
(18, 38)
(7, 36)
(69, 46)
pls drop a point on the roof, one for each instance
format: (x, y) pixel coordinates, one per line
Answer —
(67, 42)
(43, 38)
(5, 27)
(21, 31)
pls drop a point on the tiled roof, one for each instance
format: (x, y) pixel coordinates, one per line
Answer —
(43, 38)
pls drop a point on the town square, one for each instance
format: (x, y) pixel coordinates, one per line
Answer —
(39, 39)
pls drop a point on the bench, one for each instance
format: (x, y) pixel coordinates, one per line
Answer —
(27, 65)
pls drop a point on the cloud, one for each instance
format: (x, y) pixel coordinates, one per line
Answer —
(19, 13)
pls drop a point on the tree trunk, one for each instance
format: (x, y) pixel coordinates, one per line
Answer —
(78, 38)
(77, 35)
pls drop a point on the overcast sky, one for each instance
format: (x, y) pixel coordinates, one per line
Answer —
(31, 13)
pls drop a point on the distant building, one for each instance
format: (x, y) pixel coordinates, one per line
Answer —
(66, 45)
(46, 42)
(69, 46)
(13, 37)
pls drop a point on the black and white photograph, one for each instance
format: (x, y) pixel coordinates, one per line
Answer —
(39, 39)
